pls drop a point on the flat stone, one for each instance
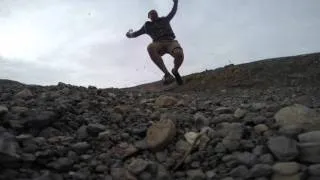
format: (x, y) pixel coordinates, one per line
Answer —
(61, 164)
(286, 168)
(160, 134)
(313, 136)
(246, 158)
(95, 129)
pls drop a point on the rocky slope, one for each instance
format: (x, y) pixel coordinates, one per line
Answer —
(66, 132)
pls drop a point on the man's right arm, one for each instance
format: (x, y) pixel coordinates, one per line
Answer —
(136, 33)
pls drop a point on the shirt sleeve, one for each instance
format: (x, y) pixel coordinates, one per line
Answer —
(139, 32)
(173, 11)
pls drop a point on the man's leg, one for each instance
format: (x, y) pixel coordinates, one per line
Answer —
(153, 50)
(177, 53)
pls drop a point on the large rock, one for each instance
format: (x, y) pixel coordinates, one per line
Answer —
(165, 101)
(310, 147)
(283, 148)
(160, 134)
(24, 94)
(298, 115)
(39, 120)
(9, 149)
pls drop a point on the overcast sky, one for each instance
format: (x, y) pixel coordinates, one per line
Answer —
(83, 42)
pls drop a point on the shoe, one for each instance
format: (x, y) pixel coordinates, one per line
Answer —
(167, 79)
(177, 76)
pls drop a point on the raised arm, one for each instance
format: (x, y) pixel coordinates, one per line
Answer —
(173, 10)
(136, 33)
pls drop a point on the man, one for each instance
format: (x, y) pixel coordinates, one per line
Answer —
(163, 41)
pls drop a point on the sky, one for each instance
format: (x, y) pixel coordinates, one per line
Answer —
(83, 42)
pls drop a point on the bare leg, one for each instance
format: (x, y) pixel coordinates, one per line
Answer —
(156, 58)
(178, 59)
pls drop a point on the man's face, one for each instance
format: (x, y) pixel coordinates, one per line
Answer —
(153, 15)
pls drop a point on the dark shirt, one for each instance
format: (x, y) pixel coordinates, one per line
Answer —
(159, 29)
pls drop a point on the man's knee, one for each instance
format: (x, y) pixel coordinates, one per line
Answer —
(178, 53)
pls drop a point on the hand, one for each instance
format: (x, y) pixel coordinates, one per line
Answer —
(129, 33)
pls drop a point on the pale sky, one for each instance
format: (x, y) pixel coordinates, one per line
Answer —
(83, 42)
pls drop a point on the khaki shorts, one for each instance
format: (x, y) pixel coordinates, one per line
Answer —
(164, 47)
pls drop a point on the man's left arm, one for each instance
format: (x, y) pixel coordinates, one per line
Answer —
(173, 10)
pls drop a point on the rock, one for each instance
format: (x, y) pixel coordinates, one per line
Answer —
(49, 176)
(281, 177)
(239, 113)
(230, 144)
(9, 149)
(291, 130)
(61, 164)
(24, 94)
(104, 135)
(120, 174)
(211, 174)
(141, 144)
(3, 110)
(313, 177)
(309, 147)
(298, 115)
(224, 110)
(258, 150)
(95, 129)
(314, 170)
(200, 120)
(166, 101)
(313, 136)
(50, 132)
(82, 133)
(101, 169)
(260, 170)
(191, 136)
(80, 147)
(137, 166)
(160, 134)
(258, 106)
(286, 168)
(42, 119)
(261, 128)
(240, 171)
(196, 174)
(182, 146)
(163, 174)
(266, 159)
(246, 158)
(283, 148)
(162, 156)
(145, 176)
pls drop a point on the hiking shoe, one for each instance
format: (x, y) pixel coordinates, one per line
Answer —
(177, 76)
(167, 79)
